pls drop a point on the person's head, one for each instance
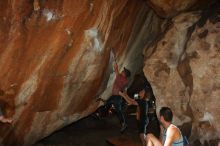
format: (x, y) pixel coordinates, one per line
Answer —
(166, 115)
(126, 73)
(144, 93)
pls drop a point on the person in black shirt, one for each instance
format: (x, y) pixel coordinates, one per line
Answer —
(142, 108)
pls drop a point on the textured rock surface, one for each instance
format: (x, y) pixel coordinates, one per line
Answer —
(184, 72)
(56, 56)
(170, 8)
(55, 59)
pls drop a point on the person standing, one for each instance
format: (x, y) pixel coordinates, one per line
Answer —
(141, 101)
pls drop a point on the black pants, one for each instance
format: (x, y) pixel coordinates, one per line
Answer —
(118, 103)
(141, 127)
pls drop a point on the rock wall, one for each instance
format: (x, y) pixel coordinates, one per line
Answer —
(184, 72)
(56, 56)
(56, 59)
(170, 8)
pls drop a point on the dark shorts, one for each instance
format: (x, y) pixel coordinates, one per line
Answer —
(141, 127)
(114, 99)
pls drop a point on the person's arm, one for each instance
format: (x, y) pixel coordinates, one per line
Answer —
(3, 119)
(127, 98)
(116, 68)
(170, 137)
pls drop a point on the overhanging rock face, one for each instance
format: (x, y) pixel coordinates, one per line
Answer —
(171, 8)
(55, 59)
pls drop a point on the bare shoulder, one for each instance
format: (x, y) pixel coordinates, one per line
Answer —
(174, 132)
(173, 129)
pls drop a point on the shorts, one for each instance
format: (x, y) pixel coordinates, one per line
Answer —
(141, 127)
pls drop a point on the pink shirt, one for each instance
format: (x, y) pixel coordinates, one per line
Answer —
(119, 85)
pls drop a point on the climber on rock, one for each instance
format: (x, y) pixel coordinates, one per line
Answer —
(115, 100)
(172, 135)
(141, 101)
(120, 83)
